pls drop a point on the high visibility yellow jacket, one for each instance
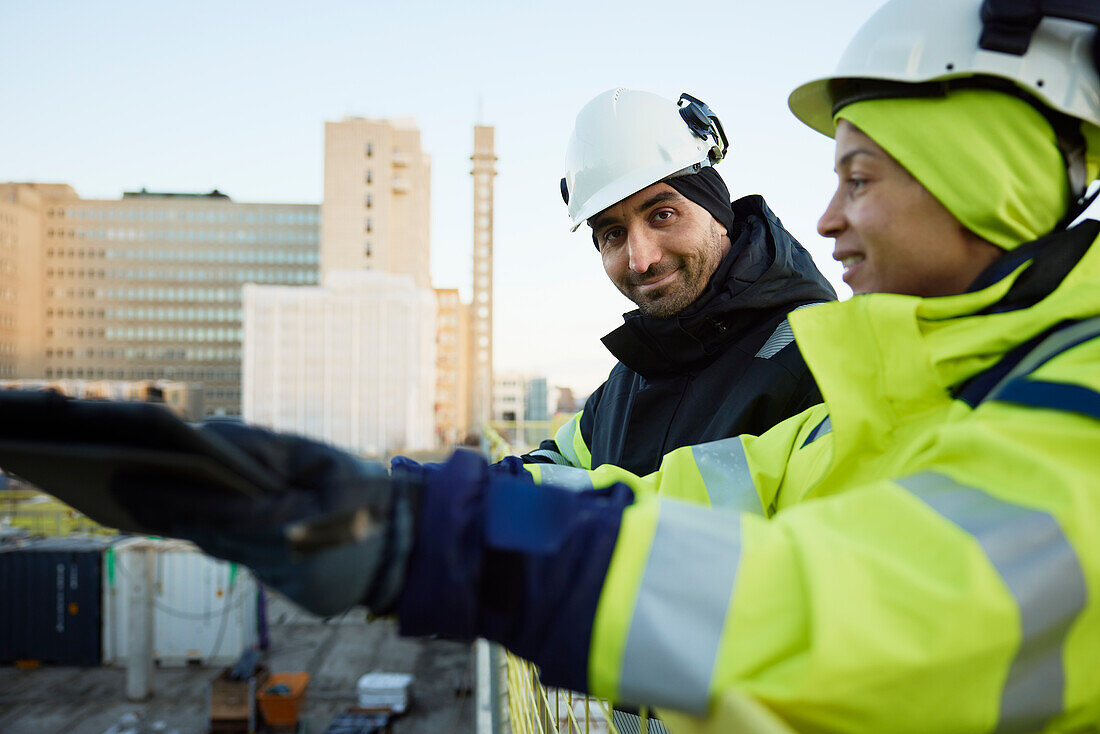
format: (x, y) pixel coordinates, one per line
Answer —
(919, 553)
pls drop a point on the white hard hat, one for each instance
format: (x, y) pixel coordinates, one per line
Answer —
(945, 44)
(625, 140)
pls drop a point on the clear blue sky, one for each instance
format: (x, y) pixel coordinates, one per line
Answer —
(113, 96)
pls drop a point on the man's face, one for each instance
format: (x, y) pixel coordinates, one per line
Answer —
(890, 233)
(659, 248)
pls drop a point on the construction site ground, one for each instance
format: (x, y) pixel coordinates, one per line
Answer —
(66, 700)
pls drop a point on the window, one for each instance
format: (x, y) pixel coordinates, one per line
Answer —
(369, 225)
(369, 176)
(369, 201)
(370, 150)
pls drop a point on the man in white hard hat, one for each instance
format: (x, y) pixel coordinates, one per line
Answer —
(708, 353)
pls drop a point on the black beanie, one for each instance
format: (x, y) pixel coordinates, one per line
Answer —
(707, 189)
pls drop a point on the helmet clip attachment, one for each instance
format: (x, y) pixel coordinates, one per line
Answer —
(704, 124)
(1007, 25)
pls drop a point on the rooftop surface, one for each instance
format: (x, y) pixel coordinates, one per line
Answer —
(66, 700)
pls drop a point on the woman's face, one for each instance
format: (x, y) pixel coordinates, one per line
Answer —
(890, 233)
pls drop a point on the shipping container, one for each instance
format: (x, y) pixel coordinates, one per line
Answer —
(50, 601)
(204, 610)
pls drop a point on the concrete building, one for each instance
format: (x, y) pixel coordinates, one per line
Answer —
(521, 408)
(146, 287)
(376, 210)
(452, 360)
(22, 273)
(481, 330)
(536, 400)
(509, 398)
(351, 362)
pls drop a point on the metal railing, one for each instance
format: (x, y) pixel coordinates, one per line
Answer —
(522, 704)
(41, 515)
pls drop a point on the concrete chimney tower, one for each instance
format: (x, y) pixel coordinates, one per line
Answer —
(481, 310)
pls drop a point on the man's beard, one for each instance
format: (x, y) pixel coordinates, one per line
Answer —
(695, 272)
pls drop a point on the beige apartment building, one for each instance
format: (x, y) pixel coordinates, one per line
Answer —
(377, 202)
(22, 290)
(452, 359)
(146, 287)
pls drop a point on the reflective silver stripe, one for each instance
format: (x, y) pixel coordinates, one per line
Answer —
(566, 477)
(1041, 569)
(780, 338)
(681, 608)
(725, 472)
(554, 456)
(564, 439)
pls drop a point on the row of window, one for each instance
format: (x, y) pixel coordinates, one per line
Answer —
(159, 373)
(266, 257)
(221, 236)
(78, 333)
(219, 216)
(150, 314)
(208, 295)
(173, 333)
(176, 314)
(160, 354)
(285, 277)
(223, 394)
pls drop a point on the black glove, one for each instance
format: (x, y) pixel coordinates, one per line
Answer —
(316, 523)
(338, 534)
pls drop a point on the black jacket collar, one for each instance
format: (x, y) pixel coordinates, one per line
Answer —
(766, 272)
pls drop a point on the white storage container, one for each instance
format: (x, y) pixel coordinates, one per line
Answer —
(204, 610)
(385, 691)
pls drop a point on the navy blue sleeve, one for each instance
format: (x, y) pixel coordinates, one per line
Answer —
(516, 563)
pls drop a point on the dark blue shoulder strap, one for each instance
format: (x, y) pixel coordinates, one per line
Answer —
(1015, 384)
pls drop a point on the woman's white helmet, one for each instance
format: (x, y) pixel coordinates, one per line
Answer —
(1045, 53)
(625, 140)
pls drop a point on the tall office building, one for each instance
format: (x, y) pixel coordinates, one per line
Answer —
(144, 287)
(22, 274)
(376, 210)
(481, 331)
(452, 359)
(350, 362)
(536, 399)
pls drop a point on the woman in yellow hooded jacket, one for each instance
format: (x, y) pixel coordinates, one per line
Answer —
(922, 551)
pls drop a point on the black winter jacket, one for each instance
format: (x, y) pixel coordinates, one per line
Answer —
(727, 365)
